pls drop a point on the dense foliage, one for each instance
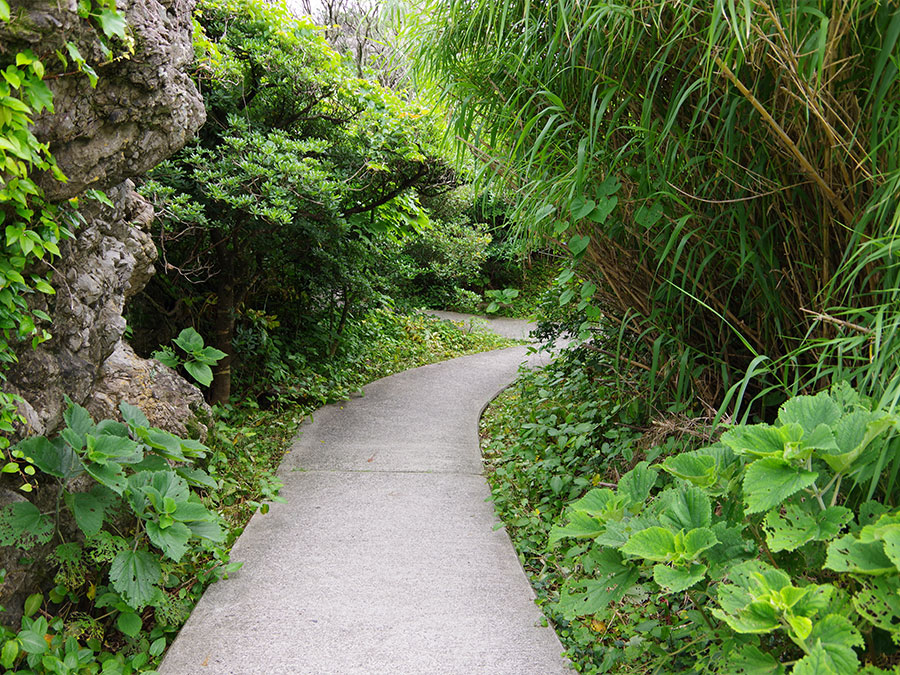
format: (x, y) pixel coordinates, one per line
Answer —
(726, 174)
(288, 205)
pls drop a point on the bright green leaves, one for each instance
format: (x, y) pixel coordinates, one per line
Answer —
(198, 358)
(810, 412)
(662, 545)
(770, 481)
(793, 526)
(758, 599)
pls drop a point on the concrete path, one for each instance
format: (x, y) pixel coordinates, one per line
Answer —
(384, 560)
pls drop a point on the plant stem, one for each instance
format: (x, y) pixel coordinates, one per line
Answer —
(702, 611)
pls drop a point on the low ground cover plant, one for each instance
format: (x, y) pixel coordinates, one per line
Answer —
(772, 550)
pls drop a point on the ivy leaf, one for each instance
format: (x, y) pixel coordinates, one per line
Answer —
(770, 481)
(578, 244)
(606, 206)
(134, 575)
(4, 10)
(792, 529)
(810, 411)
(581, 207)
(653, 543)
(112, 23)
(172, 540)
(200, 372)
(678, 579)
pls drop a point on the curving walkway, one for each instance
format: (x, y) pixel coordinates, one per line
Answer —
(384, 560)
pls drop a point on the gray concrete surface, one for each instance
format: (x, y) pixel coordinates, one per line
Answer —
(501, 325)
(385, 558)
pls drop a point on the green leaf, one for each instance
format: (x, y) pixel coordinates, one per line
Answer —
(110, 475)
(112, 23)
(814, 663)
(760, 440)
(10, 648)
(33, 603)
(580, 525)
(751, 661)
(770, 481)
(878, 602)
(78, 419)
(698, 469)
(635, 485)
(647, 216)
(201, 372)
(133, 415)
(211, 355)
(581, 207)
(4, 16)
(206, 530)
(654, 543)
(792, 528)
(848, 554)
(810, 411)
(172, 540)
(613, 578)
(605, 206)
(189, 340)
(837, 637)
(166, 357)
(89, 512)
(697, 541)
(129, 623)
(678, 579)
(756, 618)
(134, 575)
(23, 525)
(578, 244)
(56, 459)
(685, 508)
(32, 642)
(109, 447)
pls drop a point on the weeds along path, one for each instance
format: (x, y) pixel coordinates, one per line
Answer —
(385, 558)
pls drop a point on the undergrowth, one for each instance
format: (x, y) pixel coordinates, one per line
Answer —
(773, 548)
(137, 550)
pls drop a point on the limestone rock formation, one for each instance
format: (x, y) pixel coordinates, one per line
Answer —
(144, 108)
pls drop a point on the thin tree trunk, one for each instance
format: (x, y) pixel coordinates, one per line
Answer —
(220, 390)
